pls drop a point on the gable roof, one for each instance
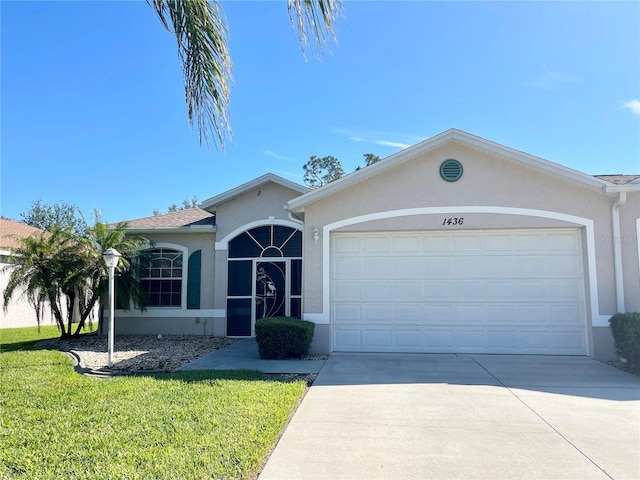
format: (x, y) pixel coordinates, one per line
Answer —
(210, 204)
(454, 136)
(11, 232)
(190, 219)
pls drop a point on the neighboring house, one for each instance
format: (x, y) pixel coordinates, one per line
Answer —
(456, 245)
(19, 312)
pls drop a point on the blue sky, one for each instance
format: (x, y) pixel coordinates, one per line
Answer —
(95, 87)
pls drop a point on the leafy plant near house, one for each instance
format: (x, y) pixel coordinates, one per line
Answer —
(64, 269)
(283, 337)
(626, 334)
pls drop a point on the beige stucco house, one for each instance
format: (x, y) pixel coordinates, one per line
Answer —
(19, 313)
(456, 244)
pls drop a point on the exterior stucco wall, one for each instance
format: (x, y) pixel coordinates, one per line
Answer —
(174, 320)
(19, 313)
(262, 205)
(488, 181)
(256, 204)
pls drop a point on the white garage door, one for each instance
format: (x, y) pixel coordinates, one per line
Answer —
(493, 291)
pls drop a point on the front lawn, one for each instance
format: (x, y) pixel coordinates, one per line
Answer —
(55, 423)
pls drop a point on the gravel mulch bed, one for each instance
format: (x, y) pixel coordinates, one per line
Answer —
(138, 353)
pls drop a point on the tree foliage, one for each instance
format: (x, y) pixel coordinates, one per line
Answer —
(370, 159)
(186, 204)
(64, 270)
(59, 216)
(320, 171)
(201, 33)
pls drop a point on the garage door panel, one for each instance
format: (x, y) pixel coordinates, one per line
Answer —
(345, 245)
(347, 291)
(346, 268)
(376, 244)
(563, 241)
(382, 314)
(346, 313)
(377, 291)
(570, 315)
(407, 290)
(467, 242)
(436, 243)
(507, 291)
(406, 244)
(348, 339)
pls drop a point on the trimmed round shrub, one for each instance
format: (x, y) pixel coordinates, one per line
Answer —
(283, 337)
(626, 334)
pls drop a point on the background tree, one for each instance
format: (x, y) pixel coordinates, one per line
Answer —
(60, 215)
(186, 204)
(201, 33)
(320, 171)
(370, 159)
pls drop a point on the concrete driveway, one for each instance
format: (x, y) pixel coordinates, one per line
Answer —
(411, 416)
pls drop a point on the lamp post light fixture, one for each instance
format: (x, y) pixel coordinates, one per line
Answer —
(111, 258)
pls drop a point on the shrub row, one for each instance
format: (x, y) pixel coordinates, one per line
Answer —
(283, 337)
(626, 334)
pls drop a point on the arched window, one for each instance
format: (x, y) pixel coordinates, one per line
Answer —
(267, 241)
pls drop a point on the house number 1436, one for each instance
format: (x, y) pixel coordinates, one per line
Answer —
(453, 221)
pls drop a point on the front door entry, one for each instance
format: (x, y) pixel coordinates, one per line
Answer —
(270, 289)
(264, 277)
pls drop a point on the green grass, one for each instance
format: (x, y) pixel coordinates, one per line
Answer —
(23, 338)
(55, 423)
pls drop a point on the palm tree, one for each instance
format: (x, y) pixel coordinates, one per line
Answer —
(102, 236)
(201, 32)
(49, 269)
(66, 271)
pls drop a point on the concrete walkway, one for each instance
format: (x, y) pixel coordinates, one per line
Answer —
(392, 416)
(243, 355)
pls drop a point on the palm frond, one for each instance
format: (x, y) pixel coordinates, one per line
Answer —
(314, 18)
(201, 33)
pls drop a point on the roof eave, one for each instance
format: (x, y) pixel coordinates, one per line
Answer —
(629, 187)
(210, 204)
(187, 229)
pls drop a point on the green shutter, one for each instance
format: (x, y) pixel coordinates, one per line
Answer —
(193, 280)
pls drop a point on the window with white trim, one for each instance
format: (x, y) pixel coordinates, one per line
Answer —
(162, 279)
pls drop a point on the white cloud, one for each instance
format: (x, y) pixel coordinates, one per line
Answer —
(271, 154)
(633, 105)
(386, 143)
(377, 137)
(548, 79)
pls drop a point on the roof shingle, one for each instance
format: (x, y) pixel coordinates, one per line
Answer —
(182, 218)
(618, 179)
(12, 231)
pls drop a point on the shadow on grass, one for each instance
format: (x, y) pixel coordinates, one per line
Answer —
(197, 376)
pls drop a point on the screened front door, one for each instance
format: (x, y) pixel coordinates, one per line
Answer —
(264, 277)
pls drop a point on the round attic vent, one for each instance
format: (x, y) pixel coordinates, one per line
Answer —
(451, 170)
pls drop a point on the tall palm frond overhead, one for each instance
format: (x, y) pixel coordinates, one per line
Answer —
(201, 33)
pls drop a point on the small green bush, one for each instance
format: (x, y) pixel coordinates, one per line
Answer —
(626, 334)
(283, 337)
